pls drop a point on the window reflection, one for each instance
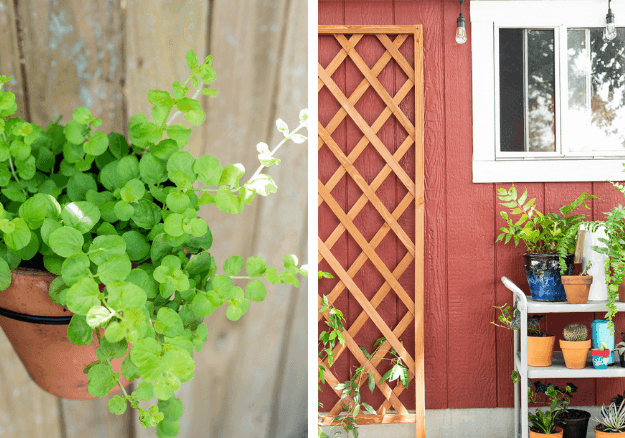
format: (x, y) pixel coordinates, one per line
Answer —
(596, 98)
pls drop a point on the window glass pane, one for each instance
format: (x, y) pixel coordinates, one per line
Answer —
(596, 110)
(527, 117)
(511, 100)
(541, 91)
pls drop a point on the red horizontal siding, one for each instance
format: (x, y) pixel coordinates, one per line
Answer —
(468, 361)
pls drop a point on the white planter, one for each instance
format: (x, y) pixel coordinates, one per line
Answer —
(598, 289)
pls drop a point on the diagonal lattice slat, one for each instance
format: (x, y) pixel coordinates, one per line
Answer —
(413, 143)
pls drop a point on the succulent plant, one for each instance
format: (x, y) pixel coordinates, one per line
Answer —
(575, 332)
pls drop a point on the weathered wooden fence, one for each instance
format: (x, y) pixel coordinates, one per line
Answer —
(250, 377)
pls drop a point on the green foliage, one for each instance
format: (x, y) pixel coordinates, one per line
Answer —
(541, 233)
(614, 248)
(556, 398)
(118, 221)
(353, 404)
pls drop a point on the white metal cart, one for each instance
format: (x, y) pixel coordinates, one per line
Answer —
(558, 369)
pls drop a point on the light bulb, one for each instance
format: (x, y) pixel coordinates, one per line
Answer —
(461, 35)
(609, 33)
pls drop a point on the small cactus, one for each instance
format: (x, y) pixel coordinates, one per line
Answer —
(575, 332)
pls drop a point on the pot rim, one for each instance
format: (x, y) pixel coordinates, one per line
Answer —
(600, 353)
(32, 272)
(575, 345)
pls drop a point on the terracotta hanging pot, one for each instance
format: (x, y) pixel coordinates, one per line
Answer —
(557, 433)
(37, 330)
(577, 288)
(540, 350)
(575, 353)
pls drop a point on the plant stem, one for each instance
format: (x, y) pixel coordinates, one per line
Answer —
(177, 113)
(15, 176)
(301, 125)
(122, 387)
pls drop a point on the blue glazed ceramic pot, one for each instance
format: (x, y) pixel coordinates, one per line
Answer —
(543, 276)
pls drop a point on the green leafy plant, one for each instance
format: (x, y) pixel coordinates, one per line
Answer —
(118, 223)
(558, 400)
(541, 233)
(510, 318)
(351, 388)
(614, 249)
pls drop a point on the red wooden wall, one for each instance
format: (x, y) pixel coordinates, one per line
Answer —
(468, 361)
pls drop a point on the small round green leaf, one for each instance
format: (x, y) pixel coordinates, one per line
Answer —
(66, 241)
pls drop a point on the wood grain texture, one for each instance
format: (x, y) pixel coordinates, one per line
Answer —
(373, 191)
(106, 56)
(72, 53)
(509, 263)
(10, 58)
(470, 227)
(429, 14)
(18, 393)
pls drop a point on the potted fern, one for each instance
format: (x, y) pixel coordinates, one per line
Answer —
(548, 238)
(105, 267)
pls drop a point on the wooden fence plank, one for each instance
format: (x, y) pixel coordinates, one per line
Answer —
(18, 393)
(72, 57)
(10, 55)
(25, 409)
(156, 42)
(72, 52)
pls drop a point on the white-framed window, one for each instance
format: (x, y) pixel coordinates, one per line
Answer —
(548, 91)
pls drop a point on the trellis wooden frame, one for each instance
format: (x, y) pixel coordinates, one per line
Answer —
(415, 191)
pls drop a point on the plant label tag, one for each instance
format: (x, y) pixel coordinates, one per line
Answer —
(579, 247)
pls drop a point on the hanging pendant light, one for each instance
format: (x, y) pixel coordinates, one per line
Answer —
(461, 32)
(610, 29)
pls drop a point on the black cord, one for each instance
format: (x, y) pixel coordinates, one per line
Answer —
(45, 320)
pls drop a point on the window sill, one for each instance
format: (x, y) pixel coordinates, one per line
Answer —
(547, 170)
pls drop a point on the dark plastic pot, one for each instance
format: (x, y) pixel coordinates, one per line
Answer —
(575, 427)
(543, 276)
(621, 359)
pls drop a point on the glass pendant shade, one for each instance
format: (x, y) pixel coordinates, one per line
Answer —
(461, 35)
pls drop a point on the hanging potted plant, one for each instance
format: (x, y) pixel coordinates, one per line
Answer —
(539, 343)
(102, 243)
(549, 240)
(575, 345)
(577, 287)
(612, 421)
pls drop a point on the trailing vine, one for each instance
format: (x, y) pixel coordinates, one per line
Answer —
(117, 220)
(351, 388)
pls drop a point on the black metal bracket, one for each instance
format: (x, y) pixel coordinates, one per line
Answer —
(45, 320)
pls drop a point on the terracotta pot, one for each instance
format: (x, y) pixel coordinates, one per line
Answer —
(540, 350)
(575, 353)
(577, 288)
(600, 434)
(557, 433)
(54, 363)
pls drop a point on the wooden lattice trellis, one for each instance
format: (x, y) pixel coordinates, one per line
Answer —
(392, 38)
